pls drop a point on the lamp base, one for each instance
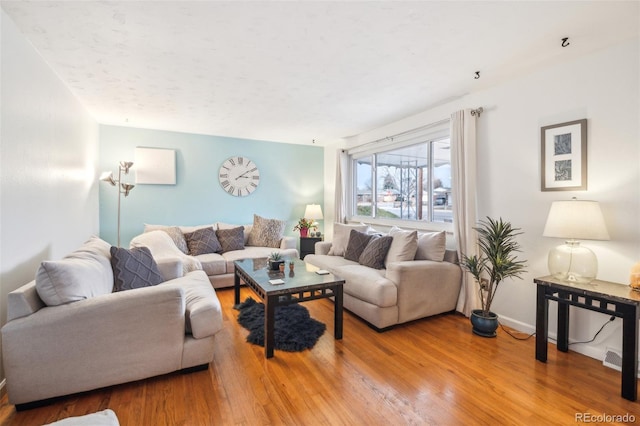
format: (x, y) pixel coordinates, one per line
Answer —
(573, 262)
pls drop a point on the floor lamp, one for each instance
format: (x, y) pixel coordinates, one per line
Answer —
(123, 188)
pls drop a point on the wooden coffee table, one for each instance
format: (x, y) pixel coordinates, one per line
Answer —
(300, 285)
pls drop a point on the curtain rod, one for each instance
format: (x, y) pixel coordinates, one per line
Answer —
(477, 111)
(406, 132)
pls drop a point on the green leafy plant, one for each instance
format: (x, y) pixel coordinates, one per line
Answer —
(305, 224)
(497, 261)
(275, 256)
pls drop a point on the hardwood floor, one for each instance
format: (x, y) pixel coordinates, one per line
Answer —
(432, 371)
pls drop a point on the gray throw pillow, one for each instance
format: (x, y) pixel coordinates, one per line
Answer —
(177, 236)
(231, 239)
(203, 241)
(357, 243)
(376, 251)
(134, 268)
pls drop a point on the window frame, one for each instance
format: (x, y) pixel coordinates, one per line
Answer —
(429, 134)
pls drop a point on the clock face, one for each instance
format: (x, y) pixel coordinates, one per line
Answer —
(239, 176)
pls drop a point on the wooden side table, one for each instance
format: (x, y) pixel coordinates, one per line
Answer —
(601, 296)
(308, 245)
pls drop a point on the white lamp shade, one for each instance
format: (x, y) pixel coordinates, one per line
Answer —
(313, 211)
(576, 219)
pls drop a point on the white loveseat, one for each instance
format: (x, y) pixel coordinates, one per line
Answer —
(170, 248)
(419, 278)
(89, 337)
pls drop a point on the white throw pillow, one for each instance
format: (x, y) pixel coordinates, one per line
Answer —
(403, 247)
(341, 233)
(431, 246)
(83, 274)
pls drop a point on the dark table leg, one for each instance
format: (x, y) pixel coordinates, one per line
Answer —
(630, 352)
(236, 286)
(337, 306)
(269, 325)
(563, 324)
(542, 322)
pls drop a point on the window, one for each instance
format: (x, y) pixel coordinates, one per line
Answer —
(408, 181)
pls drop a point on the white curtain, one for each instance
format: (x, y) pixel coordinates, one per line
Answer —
(342, 164)
(463, 175)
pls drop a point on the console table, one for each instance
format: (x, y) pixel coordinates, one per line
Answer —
(601, 296)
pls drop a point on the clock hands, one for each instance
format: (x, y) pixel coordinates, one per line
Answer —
(243, 175)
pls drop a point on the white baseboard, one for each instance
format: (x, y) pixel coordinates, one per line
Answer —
(582, 348)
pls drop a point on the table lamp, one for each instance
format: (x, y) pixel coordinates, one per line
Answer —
(574, 220)
(313, 212)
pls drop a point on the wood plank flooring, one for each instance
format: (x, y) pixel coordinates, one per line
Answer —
(429, 372)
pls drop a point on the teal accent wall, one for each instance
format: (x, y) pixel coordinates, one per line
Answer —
(291, 176)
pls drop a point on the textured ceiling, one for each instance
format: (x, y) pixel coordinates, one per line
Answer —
(300, 71)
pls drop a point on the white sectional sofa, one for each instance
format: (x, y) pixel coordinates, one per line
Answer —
(68, 331)
(169, 246)
(418, 278)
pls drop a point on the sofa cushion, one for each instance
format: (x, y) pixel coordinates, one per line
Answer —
(431, 246)
(330, 263)
(134, 268)
(213, 263)
(202, 241)
(341, 234)
(368, 284)
(403, 247)
(266, 232)
(356, 245)
(82, 274)
(247, 229)
(376, 251)
(231, 238)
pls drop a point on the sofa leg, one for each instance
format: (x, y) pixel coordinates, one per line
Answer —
(201, 367)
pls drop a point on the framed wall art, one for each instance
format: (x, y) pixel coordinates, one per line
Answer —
(564, 156)
(155, 166)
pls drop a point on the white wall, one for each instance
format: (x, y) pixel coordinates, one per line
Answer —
(602, 87)
(48, 158)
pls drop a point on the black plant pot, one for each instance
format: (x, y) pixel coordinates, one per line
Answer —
(484, 325)
(274, 265)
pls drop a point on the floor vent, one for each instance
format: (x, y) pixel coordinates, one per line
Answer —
(613, 359)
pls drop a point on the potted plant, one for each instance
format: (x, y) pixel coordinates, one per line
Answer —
(497, 261)
(275, 260)
(304, 225)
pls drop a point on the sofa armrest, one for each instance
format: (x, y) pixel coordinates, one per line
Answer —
(170, 268)
(93, 343)
(425, 287)
(23, 301)
(322, 247)
(288, 243)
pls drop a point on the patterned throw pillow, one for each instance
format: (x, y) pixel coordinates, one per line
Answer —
(178, 238)
(134, 268)
(341, 233)
(231, 239)
(357, 243)
(374, 254)
(266, 232)
(203, 241)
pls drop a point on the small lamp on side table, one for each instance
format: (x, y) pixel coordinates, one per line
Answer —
(574, 220)
(313, 212)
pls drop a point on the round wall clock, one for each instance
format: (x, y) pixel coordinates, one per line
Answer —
(239, 176)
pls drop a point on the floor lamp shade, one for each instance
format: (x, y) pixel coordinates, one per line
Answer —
(574, 220)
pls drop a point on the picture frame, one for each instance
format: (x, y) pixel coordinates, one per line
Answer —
(155, 166)
(564, 156)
